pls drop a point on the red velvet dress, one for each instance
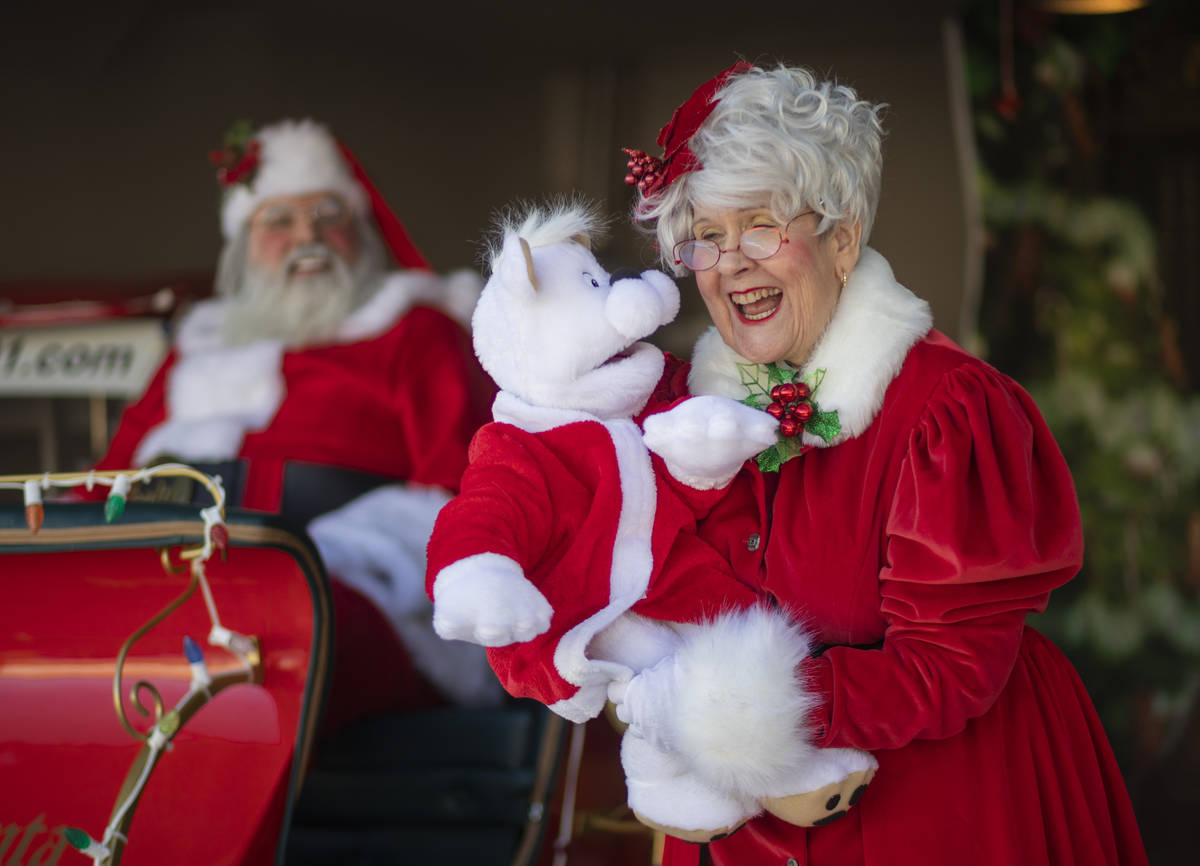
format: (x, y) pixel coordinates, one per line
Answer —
(916, 549)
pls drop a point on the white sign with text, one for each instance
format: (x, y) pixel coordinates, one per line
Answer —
(113, 358)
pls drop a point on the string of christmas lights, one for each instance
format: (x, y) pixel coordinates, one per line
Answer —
(203, 686)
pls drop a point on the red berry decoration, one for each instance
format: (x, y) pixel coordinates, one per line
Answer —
(788, 392)
(790, 427)
(220, 538)
(776, 410)
(802, 412)
(803, 392)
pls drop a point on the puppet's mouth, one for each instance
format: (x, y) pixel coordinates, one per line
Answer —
(620, 356)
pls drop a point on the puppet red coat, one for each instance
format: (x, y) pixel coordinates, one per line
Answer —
(917, 541)
(577, 503)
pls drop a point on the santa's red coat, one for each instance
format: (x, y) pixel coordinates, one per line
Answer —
(402, 405)
(916, 549)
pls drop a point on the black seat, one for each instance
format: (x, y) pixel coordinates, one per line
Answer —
(444, 786)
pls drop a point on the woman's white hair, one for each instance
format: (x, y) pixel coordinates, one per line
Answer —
(779, 137)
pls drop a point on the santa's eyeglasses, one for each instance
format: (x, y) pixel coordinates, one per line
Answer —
(283, 217)
(758, 243)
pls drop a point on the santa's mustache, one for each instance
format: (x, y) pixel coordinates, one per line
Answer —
(309, 258)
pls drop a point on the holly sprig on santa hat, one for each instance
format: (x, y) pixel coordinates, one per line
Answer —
(236, 160)
(777, 390)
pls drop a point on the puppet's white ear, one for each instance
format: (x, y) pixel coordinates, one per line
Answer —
(515, 269)
(528, 254)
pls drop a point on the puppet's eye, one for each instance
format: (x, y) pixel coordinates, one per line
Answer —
(595, 283)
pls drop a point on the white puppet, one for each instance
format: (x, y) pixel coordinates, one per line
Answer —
(573, 554)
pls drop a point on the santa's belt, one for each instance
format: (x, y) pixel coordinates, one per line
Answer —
(309, 489)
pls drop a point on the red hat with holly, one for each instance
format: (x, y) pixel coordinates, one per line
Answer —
(651, 174)
(298, 158)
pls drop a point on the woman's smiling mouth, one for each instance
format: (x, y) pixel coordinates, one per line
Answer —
(754, 305)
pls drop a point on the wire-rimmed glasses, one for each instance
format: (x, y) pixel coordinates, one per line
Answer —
(758, 243)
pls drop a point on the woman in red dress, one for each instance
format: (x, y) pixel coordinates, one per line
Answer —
(919, 514)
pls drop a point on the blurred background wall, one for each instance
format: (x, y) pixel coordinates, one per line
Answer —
(455, 109)
(1041, 188)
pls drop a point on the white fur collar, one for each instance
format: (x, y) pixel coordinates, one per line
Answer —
(508, 408)
(874, 325)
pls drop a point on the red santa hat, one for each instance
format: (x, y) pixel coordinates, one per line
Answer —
(295, 158)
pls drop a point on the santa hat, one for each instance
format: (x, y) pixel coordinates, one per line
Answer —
(296, 158)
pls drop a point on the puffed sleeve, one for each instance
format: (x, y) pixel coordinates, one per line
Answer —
(983, 523)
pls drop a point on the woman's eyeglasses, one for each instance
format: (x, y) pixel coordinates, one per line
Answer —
(758, 243)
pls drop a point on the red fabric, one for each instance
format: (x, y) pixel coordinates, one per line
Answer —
(675, 137)
(403, 405)
(395, 235)
(936, 531)
(551, 501)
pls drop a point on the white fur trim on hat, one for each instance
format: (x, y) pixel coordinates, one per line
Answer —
(295, 158)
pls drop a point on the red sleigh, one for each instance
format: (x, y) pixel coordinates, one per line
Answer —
(120, 739)
(241, 779)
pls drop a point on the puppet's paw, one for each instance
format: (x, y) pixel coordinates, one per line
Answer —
(666, 797)
(705, 440)
(831, 785)
(486, 599)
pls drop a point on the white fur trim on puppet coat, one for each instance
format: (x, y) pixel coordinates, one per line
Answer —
(629, 576)
(874, 325)
(632, 562)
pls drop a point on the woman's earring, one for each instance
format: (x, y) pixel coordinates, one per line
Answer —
(845, 278)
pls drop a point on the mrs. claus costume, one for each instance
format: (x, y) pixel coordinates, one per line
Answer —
(394, 396)
(916, 538)
(916, 541)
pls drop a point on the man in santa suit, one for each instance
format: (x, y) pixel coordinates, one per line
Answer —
(325, 387)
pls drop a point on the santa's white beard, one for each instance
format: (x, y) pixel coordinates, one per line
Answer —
(293, 306)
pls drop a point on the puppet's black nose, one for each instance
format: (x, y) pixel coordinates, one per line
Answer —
(624, 274)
